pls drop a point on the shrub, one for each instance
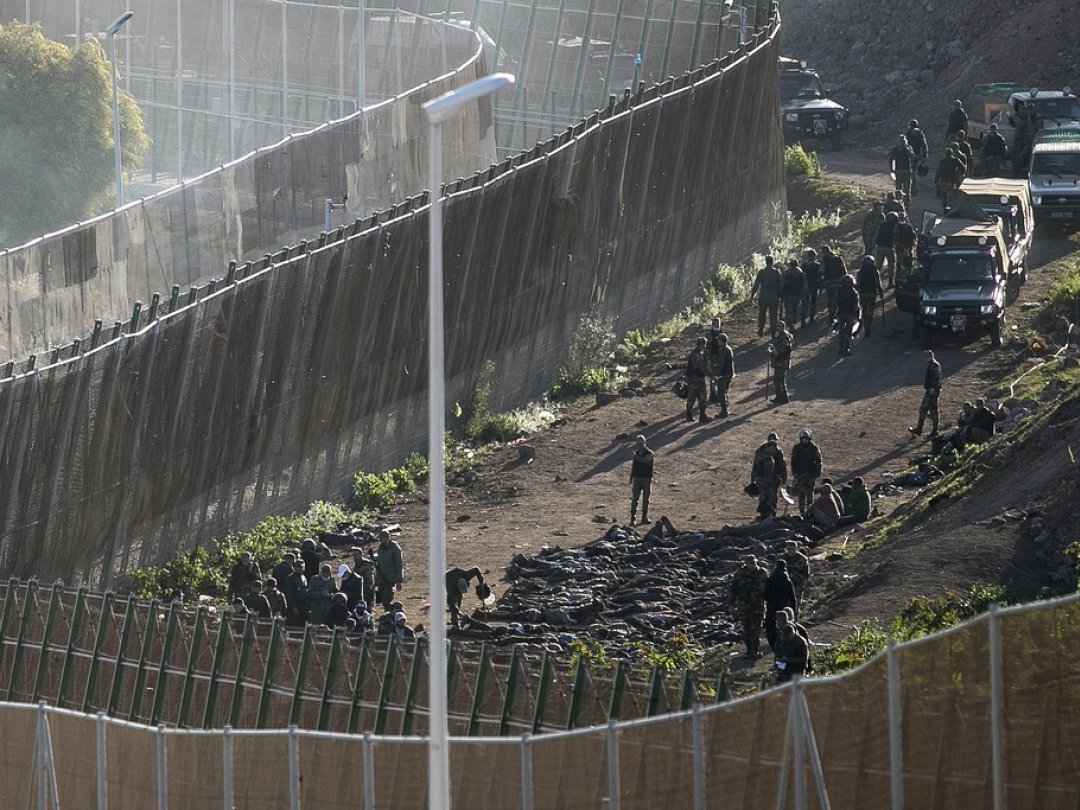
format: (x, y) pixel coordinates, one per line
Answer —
(800, 163)
(590, 346)
(481, 424)
(374, 491)
(589, 381)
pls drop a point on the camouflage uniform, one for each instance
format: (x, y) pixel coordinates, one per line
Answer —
(769, 473)
(278, 605)
(793, 651)
(748, 598)
(798, 566)
(781, 362)
(768, 287)
(320, 589)
(698, 370)
(931, 394)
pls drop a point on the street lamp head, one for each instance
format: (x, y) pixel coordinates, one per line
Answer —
(446, 106)
(118, 23)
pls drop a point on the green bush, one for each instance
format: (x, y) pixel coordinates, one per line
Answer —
(588, 381)
(800, 163)
(374, 491)
(483, 426)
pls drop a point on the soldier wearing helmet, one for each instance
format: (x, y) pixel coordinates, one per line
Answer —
(916, 139)
(747, 595)
(848, 313)
(805, 468)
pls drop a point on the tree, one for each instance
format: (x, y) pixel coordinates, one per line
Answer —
(56, 137)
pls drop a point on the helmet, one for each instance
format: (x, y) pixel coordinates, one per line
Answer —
(914, 122)
(806, 433)
(849, 280)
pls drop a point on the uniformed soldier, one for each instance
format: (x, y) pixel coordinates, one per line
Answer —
(698, 370)
(780, 355)
(641, 473)
(958, 121)
(847, 313)
(884, 251)
(389, 570)
(724, 372)
(931, 394)
(768, 287)
(798, 566)
(995, 152)
(812, 272)
(747, 596)
(871, 222)
(805, 468)
(916, 139)
(902, 167)
(712, 349)
(794, 293)
(769, 473)
(868, 281)
(320, 589)
(833, 270)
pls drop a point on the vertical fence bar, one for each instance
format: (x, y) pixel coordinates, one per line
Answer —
(102, 770)
(301, 674)
(163, 664)
(576, 693)
(162, 775)
(811, 748)
(667, 45)
(358, 686)
(387, 685)
(526, 773)
(95, 656)
(478, 693)
(512, 678)
(613, 46)
(43, 654)
(73, 638)
(41, 763)
(548, 93)
(215, 670)
(798, 733)
(144, 655)
(332, 664)
(785, 757)
(997, 714)
(294, 769)
(121, 648)
(226, 768)
(189, 675)
(542, 690)
(699, 758)
(583, 59)
(656, 690)
(415, 674)
(237, 700)
(618, 687)
(272, 653)
(613, 765)
(369, 772)
(896, 738)
(24, 620)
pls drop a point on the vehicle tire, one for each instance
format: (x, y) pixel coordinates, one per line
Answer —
(926, 336)
(995, 333)
(1012, 289)
(837, 141)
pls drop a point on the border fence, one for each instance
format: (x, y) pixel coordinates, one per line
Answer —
(985, 714)
(265, 391)
(175, 666)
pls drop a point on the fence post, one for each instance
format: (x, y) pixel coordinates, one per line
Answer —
(95, 656)
(613, 765)
(798, 731)
(226, 768)
(270, 667)
(526, 772)
(542, 690)
(699, 758)
(896, 737)
(102, 770)
(73, 637)
(411, 691)
(162, 774)
(358, 686)
(369, 773)
(478, 694)
(241, 669)
(810, 742)
(189, 675)
(511, 691)
(121, 649)
(294, 769)
(43, 654)
(997, 718)
(41, 767)
(215, 670)
(24, 620)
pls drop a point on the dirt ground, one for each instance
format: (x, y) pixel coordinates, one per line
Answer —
(859, 408)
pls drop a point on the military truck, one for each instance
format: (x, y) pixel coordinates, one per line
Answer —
(966, 280)
(1054, 175)
(1057, 109)
(1008, 201)
(806, 112)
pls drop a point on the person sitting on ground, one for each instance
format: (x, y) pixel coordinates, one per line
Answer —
(860, 505)
(661, 529)
(983, 421)
(824, 511)
(338, 615)
(457, 584)
(362, 618)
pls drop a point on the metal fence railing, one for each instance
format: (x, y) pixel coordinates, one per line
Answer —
(983, 715)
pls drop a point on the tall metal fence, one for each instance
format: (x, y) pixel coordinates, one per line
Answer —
(197, 668)
(267, 390)
(986, 714)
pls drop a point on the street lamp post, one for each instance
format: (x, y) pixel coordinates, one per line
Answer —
(115, 26)
(439, 111)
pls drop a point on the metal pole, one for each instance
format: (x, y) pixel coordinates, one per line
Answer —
(226, 769)
(232, 80)
(526, 773)
(997, 718)
(179, 92)
(284, 68)
(896, 739)
(41, 761)
(613, 765)
(699, 759)
(102, 770)
(799, 741)
(116, 123)
(162, 777)
(294, 769)
(438, 110)
(361, 55)
(369, 772)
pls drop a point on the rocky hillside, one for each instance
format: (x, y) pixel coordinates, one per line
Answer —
(911, 58)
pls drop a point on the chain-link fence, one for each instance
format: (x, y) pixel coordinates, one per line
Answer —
(983, 715)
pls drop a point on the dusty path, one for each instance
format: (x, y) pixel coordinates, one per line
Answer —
(859, 408)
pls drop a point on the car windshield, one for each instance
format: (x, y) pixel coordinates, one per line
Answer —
(1058, 108)
(794, 84)
(952, 267)
(1059, 163)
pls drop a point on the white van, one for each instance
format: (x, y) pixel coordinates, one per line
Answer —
(1054, 174)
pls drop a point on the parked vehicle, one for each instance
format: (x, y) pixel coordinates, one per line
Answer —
(966, 279)
(806, 112)
(1056, 109)
(1010, 202)
(1054, 174)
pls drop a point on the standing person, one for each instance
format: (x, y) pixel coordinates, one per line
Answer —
(457, 584)
(389, 570)
(884, 251)
(916, 139)
(798, 566)
(351, 585)
(793, 654)
(995, 153)
(833, 271)
(244, 574)
(282, 570)
(780, 357)
(868, 282)
(641, 472)
(794, 294)
(724, 373)
(904, 239)
(870, 224)
(778, 594)
(946, 177)
(320, 589)
(893, 203)
(746, 594)
(963, 145)
(931, 394)
(256, 602)
(847, 313)
(812, 272)
(805, 468)
(295, 592)
(768, 287)
(902, 167)
(712, 349)
(697, 372)
(769, 473)
(958, 121)
(279, 608)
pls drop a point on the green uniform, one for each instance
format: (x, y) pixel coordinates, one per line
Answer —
(320, 589)
(641, 471)
(781, 362)
(798, 567)
(389, 572)
(793, 652)
(748, 597)
(768, 287)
